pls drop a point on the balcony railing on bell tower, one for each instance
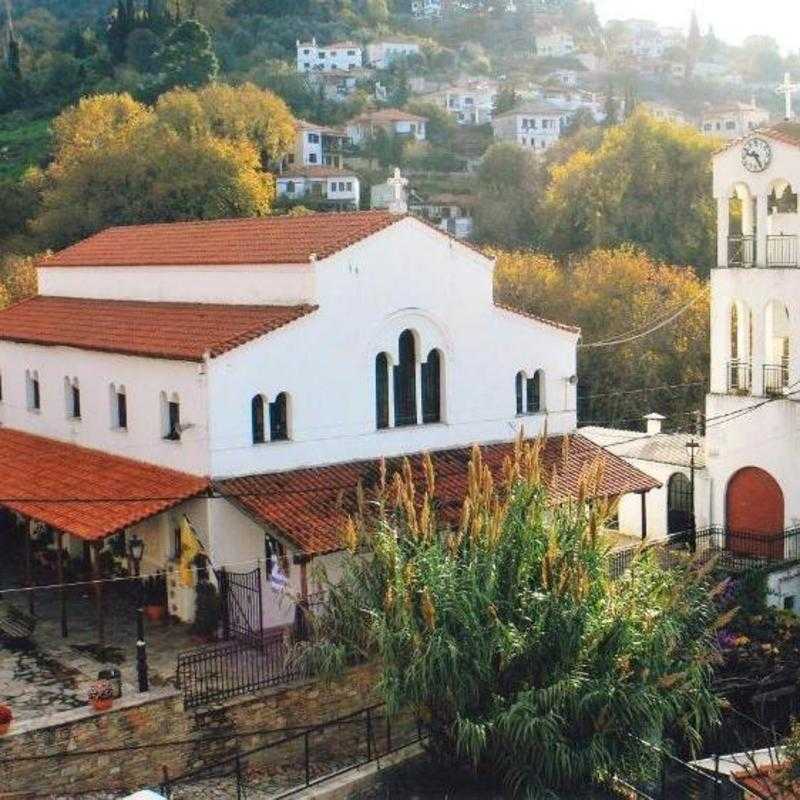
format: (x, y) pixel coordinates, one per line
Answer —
(740, 377)
(776, 378)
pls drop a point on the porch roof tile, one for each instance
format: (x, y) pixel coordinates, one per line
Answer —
(85, 493)
(308, 507)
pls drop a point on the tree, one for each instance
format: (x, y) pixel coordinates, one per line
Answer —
(608, 293)
(12, 55)
(507, 99)
(188, 57)
(116, 162)
(648, 183)
(510, 187)
(142, 49)
(503, 631)
(17, 277)
(610, 108)
(233, 113)
(694, 44)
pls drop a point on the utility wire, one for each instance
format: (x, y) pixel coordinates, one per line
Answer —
(639, 334)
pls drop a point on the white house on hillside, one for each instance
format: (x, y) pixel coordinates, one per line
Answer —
(384, 53)
(534, 125)
(249, 374)
(427, 9)
(733, 121)
(752, 406)
(391, 120)
(342, 56)
(317, 145)
(332, 187)
(471, 102)
(555, 44)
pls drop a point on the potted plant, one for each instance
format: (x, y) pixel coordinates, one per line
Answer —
(155, 597)
(6, 716)
(101, 695)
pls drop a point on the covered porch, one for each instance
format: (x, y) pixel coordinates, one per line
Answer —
(88, 541)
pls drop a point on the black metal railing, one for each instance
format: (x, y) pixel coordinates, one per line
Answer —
(741, 251)
(735, 550)
(219, 672)
(740, 377)
(776, 378)
(309, 757)
(782, 251)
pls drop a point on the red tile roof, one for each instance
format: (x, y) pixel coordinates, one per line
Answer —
(86, 493)
(258, 240)
(179, 331)
(309, 506)
(387, 115)
(316, 171)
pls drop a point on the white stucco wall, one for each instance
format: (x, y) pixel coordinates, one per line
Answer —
(407, 276)
(268, 284)
(144, 380)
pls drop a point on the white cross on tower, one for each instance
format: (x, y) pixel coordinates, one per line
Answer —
(787, 88)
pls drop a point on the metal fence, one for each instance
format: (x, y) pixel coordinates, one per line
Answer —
(736, 551)
(301, 760)
(219, 672)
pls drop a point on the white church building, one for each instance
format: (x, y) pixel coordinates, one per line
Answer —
(249, 373)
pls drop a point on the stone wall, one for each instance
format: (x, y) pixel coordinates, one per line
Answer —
(142, 736)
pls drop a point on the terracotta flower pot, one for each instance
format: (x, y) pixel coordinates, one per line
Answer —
(154, 613)
(102, 704)
(4, 726)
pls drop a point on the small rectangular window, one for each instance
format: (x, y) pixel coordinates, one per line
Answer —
(36, 400)
(312, 158)
(122, 411)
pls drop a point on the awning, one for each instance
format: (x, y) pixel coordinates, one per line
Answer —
(85, 493)
(308, 507)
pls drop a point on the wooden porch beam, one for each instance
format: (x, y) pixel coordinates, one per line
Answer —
(29, 564)
(61, 590)
(644, 515)
(98, 593)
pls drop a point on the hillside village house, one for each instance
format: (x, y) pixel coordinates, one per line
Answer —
(427, 9)
(337, 56)
(534, 125)
(392, 121)
(555, 43)
(317, 145)
(732, 121)
(471, 102)
(338, 84)
(335, 188)
(450, 212)
(384, 53)
(751, 455)
(665, 113)
(249, 373)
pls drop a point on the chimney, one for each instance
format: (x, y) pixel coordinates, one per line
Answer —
(654, 422)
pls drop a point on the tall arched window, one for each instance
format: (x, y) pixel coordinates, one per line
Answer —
(279, 418)
(776, 350)
(432, 388)
(535, 396)
(519, 386)
(257, 419)
(381, 391)
(679, 503)
(405, 382)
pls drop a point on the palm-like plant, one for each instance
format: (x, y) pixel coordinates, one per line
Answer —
(504, 632)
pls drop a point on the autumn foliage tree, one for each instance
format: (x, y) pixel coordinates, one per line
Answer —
(610, 293)
(195, 155)
(648, 183)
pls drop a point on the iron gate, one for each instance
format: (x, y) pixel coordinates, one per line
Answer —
(241, 605)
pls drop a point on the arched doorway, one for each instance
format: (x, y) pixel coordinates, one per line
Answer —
(680, 513)
(754, 514)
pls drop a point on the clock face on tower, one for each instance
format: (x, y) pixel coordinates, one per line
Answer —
(756, 155)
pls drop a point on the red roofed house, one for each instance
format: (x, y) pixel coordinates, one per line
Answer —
(247, 373)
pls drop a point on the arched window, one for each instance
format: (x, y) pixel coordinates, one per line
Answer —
(776, 341)
(381, 391)
(432, 388)
(680, 513)
(279, 418)
(741, 348)
(519, 385)
(257, 419)
(405, 382)
(535, 398)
